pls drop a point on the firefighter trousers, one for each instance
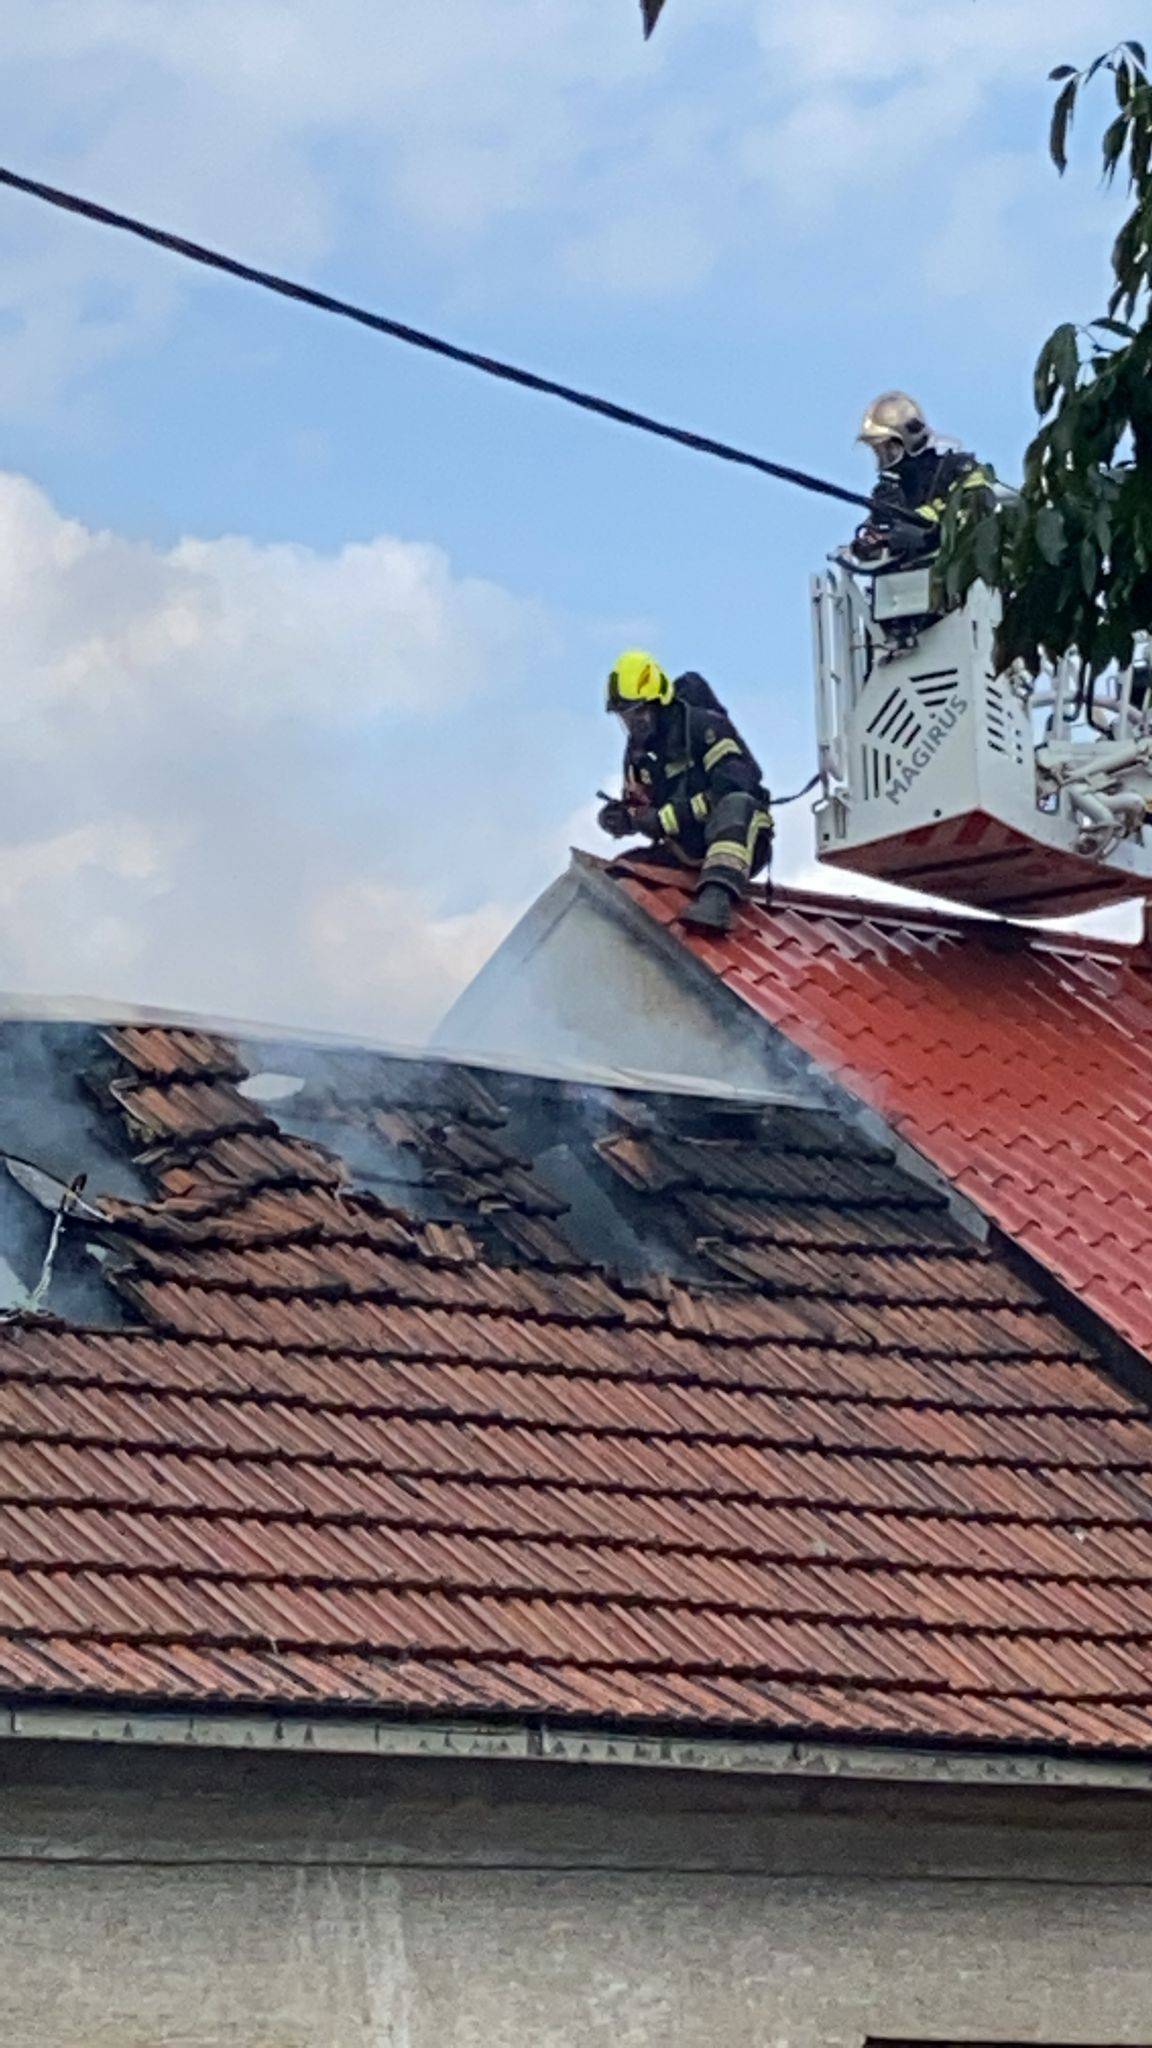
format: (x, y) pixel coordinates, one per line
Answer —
(734, 843)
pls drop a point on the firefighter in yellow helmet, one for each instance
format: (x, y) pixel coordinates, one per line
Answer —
(917, 475)
(691, 786)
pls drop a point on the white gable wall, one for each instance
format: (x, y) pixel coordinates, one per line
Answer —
(580, 981)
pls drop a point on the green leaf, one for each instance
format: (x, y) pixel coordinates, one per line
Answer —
(1061, 119)
(1062, 71)
(986, 550)
(1044, 378)
(1066, 355)
(1049, 532)
(1113, 148)
(1071, 555)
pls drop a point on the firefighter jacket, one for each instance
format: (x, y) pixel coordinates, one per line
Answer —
(696, 760)
(925, 483)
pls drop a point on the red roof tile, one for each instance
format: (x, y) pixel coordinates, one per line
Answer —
(1023, 1070)
(842, 1471)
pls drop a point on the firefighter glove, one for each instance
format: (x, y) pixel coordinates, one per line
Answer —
(615, 818)
(868, 544)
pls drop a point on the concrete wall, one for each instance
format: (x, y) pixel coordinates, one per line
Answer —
(153, 1899)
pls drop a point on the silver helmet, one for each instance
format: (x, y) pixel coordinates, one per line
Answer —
(894, 426)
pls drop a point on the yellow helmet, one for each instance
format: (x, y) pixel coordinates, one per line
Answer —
(894, 425)
(638, 678)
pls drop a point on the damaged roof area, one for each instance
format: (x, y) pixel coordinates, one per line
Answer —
(449, 1392)
(1018, 1061)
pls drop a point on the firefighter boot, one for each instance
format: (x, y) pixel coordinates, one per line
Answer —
(710, 910)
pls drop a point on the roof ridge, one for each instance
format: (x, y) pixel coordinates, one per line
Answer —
(852, 909)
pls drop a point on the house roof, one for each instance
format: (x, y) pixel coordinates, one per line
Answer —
(428, 1391)
(1019, 1062)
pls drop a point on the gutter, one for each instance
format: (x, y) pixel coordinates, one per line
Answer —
(472, 1741)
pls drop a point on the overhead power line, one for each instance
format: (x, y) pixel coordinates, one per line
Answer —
(398, 330)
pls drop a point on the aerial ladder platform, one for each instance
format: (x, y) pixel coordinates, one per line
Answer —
(1025, 793)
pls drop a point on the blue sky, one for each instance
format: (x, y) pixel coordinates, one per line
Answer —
(305, 632)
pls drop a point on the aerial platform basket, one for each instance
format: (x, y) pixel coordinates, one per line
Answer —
(1030, 795)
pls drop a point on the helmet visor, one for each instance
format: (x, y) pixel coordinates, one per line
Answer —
(888, 449)
(640, 721)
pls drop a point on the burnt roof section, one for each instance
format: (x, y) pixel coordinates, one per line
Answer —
(1017, 1060)
(550, 1401)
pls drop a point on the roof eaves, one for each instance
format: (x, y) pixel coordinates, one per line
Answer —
(538, 1742)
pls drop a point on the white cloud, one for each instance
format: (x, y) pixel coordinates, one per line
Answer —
(894, 120)
(237, 781)
(208, 115)
(99, 626)
(879, 44)
(77, 897)
(616, 167)
(226, 778)
(391, 956)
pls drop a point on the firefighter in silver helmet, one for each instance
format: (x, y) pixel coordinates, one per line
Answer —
(917, 475)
